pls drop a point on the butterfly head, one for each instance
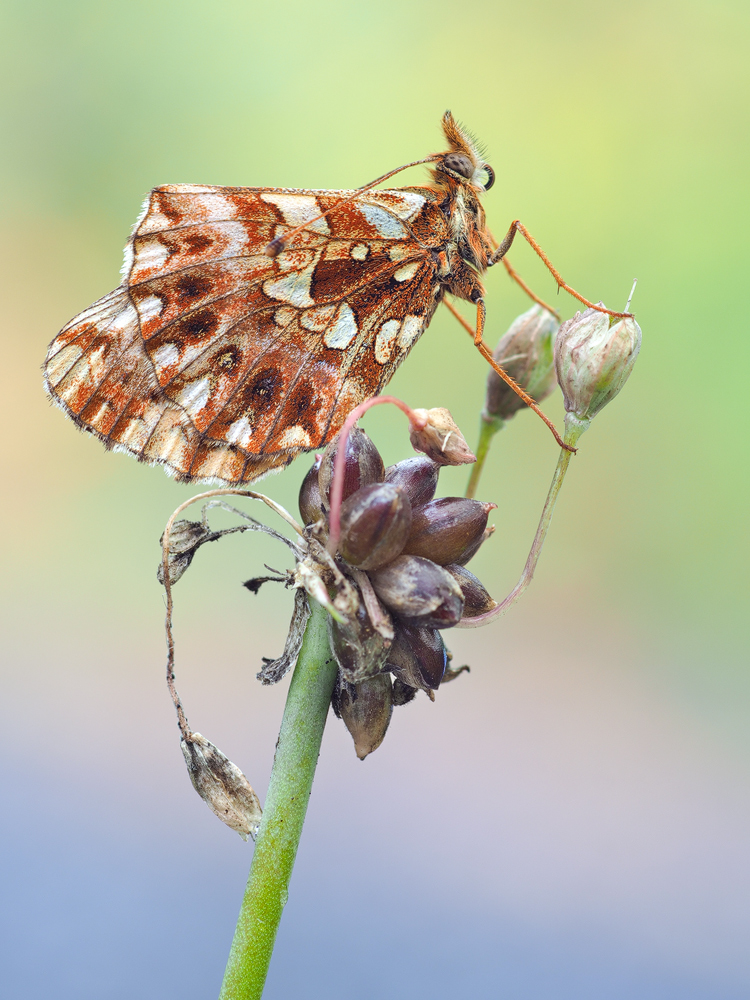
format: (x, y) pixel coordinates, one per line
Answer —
(462, 162)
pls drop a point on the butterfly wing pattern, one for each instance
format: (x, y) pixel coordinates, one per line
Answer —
(222, 363)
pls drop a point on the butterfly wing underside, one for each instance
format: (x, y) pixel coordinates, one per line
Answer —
(221, 363)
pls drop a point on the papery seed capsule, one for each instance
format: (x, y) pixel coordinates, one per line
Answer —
(418, 656)
(419, 590)
(360, 650)
(441, 438)
(221, 785)
(375, 523)
(363, 465)
(310, 500)
(444, 530)
(185, 539)
(417, 477)
(366, 709)
(477, 598)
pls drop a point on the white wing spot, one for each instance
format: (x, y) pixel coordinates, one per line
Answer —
(150, 307)
(284, 316)
(194, 396)
(298, 209)
(359, 251)
(407, 271)
(385, 340)
(240, 432)
(318, 318)
(344, 330)
(386, 224)
(150, 255)
(59, 366)
(295, 437)
(166, 356)
(410, 330)
(293, 288)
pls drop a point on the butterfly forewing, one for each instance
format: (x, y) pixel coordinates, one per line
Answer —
(222, 363)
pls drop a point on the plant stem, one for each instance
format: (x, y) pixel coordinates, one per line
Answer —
(487, 431)
(292, 776)
(573, 430)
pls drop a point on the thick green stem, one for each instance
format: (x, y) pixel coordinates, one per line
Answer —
(490, 427)
(286, 804)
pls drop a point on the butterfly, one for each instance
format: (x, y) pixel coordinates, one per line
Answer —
(251, 321)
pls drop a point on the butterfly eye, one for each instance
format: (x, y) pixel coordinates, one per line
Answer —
(459, 164)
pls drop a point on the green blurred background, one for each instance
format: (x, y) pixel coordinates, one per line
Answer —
(568, 820)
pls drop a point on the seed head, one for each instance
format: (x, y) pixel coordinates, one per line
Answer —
(526, 354)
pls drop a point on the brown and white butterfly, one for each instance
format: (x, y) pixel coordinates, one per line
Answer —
(222, 358)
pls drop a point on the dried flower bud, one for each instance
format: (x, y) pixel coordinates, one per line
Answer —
(360, 649)
(477, 598)
(445, 530)
(363, 464)
(375, 523)
(593, 360)
(417, 477)
(366, 709)
(185, 539)
(310, 500)
(418, 657)
(525, 352)
(419, 590)
(221, 785)
(440, 438)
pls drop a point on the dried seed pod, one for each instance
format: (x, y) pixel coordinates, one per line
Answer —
(221, 785)
(419, 590)
(185, 539)
(418, 656)
(363, 465)
(440, 438)
(366, 710)
(477, 598)
(310, 500)
(359, 648)
(375, 523)
(417, 477)
(444, 530)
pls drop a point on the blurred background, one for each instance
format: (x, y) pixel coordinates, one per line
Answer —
(570, 819)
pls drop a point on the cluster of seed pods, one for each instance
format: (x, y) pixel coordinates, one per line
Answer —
(405, 553)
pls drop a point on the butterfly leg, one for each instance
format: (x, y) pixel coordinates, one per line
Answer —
(507, 242)
(476, 335)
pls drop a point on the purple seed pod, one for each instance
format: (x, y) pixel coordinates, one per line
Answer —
(360, 650)
(418, 657)
(473, 549)
(375, 523)
(363, 465)
(477, 599)
(420, 591)
(310, 501)
(445, 530)
(417, 477)
(366, 710)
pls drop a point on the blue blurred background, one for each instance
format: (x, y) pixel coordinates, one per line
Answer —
(570, 819)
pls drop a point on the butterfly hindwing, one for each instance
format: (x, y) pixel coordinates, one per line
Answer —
(222, 363)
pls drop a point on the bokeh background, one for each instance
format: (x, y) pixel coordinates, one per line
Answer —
(569, 820)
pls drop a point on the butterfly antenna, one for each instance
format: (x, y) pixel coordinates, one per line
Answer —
(276, 245)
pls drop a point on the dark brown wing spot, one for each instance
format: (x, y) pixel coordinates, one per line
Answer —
(199, 325)
(260, 392)
(192, 286)
(197, 242)
(226, 360)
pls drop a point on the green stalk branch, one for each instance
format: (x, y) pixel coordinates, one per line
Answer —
(489, 428)
(294, 765)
